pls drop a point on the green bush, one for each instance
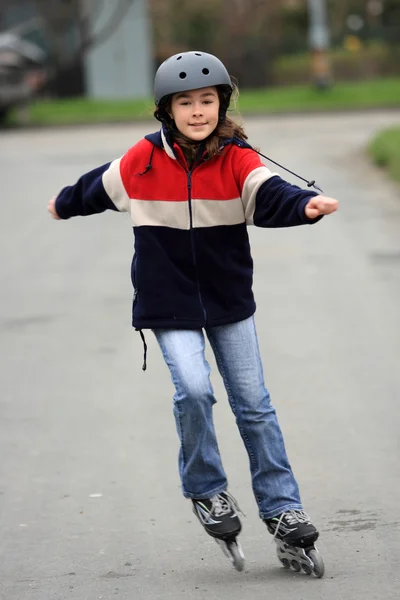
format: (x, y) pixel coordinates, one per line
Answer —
(370, 62)
(385, 151)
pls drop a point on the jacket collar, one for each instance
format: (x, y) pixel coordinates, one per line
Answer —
(161, 139)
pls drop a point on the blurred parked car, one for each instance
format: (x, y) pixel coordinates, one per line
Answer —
(22, 71)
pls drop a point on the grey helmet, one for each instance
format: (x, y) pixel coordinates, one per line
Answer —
(189, 71)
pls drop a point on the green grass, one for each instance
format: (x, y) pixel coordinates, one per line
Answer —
(385, 151)
(305, 98)
(82, 110)
(300, 98)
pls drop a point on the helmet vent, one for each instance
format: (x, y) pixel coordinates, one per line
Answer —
(205, 71)
(179, 57)
(182, 75)
(197, 54)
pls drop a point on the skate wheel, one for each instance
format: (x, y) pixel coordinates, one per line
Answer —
(319, 567)
(306, 569)
(285, 563)
(233, 550)
(295, 566)
(236, 555)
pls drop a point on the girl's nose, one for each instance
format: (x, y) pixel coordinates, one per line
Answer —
(197, 109)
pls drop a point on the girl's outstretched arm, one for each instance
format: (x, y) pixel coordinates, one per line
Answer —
(270, 201)
(93, 193)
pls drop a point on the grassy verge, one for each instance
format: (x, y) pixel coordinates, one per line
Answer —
(385, 151)
(305, 98)
(300, 98)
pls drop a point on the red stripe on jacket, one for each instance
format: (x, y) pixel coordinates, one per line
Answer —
(228, 172)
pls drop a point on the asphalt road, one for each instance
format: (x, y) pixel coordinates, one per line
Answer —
(90, 502)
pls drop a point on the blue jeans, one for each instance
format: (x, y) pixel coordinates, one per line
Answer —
(236, 351)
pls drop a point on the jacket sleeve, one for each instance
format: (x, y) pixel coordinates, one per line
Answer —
(269, 200)
(94, 192)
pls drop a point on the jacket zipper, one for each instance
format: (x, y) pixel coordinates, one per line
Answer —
(189, 177)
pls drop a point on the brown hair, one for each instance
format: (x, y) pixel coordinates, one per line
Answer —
(226, 129)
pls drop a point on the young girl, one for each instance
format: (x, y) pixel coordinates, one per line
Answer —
(191, 190)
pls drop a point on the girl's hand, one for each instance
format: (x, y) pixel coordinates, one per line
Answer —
(51, 207)
(320, 205)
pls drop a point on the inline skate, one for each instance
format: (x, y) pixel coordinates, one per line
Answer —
(219, 517)
(295, 538)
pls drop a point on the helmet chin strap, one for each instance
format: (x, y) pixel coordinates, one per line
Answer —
(311, 183)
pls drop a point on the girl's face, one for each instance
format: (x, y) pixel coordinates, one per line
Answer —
(196, 112)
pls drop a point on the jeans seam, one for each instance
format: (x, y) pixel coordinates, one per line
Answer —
(181, 436)
(233, 405)
(180, 426)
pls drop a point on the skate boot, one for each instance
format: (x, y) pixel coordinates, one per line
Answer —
(295, 535)
(219, 517)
